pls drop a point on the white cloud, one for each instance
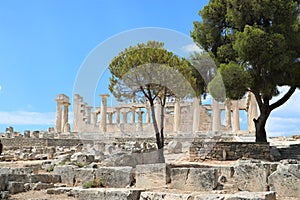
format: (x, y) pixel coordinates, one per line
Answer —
(191, 48)
(27, 118)
(0, 88)
(280, 126)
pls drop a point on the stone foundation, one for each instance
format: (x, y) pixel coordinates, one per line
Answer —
(201, 150)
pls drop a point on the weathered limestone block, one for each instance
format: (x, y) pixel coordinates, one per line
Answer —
(152, 175)
(174, 147)
(251, 176)
(106, 193)
(67, 173)
(285, 181)
(164, 196)
(238, 196)
(15, 187)
(146, 157)
(190, 179)
(124, 160)
(62, 159)
(82, 159)
(4, 194)
(117, 177)
(2, 182)
(17, 177)
(45, 178)
(83, 175)
(42, 186)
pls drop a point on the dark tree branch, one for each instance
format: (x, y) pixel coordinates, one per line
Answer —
(284, 98)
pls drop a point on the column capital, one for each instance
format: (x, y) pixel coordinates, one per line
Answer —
(104, 96)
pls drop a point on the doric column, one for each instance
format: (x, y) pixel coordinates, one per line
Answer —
(196, 114)
(177, 116)
(140, 120)
(133, 115)
(236, 116)
(103, 111)
(158, 114)
(95, 115)
(140, 116)
(148, 114)
(88, 114)
(110, 116)
(252, 111)
(228, 114)
(124, 115)
(216, 124)
(66, 114)
(118, 115)
(58, 120)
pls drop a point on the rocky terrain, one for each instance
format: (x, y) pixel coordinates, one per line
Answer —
(129, 170)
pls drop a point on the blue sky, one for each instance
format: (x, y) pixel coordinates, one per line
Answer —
(44, 43)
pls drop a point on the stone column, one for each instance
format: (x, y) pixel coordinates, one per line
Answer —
(140, 120)
(58, 120)
(177, 116)
(228, 114)
(236, 116)
(216, 121)
(88, 114)
(196, 114)
(66, 114)
(103, 111)
(140, 116)
(158, 114)
(124, 115)
(148, 114)
(252, 111)
(133, 115)
(110, 116)
(118, 115)
(95, 115)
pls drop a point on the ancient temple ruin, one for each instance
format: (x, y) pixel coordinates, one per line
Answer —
(181, 116)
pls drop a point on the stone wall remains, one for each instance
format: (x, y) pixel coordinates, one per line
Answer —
(201, 150)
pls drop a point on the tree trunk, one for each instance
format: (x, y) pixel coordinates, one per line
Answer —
(159, 140)
(260, 123)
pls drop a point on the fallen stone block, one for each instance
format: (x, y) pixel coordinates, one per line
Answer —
(59, 190)
(252, 176)
(238, 196)
(42, 186)
(2, 182)
(174, 147)
(83, 175)
(106, 193)
(152, 175)
(194, 179)
(15, 187)
(67, 173)
(164, 196)
(4, 194)
(82, 159)
(117, 177)
(45, 178)
(18, 177)
(285, 181)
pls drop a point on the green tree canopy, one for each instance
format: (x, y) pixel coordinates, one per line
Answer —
(256, 44)
(150, 73)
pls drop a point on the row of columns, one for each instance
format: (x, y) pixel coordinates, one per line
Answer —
(106, 116)
(62, 113)
(233, 122)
